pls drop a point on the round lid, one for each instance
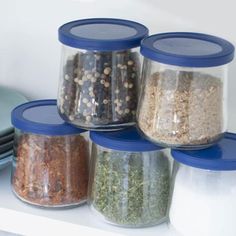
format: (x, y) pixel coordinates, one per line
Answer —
(103, 34)
(41, 117)
(123, 140)
(188, 49)
(218, 157)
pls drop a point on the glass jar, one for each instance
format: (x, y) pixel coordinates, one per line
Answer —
(204, 190)
(183, 101)
(129, 179)
(100, 69)
(50, 164)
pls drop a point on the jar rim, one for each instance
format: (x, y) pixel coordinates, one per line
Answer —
(41, 117)
(220, 157)
(102, 34)
(187, 49)
(123, 140)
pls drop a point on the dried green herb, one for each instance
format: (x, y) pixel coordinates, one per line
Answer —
(131, 189)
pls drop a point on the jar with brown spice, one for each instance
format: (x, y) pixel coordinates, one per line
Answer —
(100, 70)
(184, 89)
(50, 166)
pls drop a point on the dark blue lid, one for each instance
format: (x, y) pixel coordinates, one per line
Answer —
(103, 34)
(187, 49)
(41, 117)
(221, 156)
(123, 140)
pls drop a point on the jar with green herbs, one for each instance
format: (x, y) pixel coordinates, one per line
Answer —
(129, 179)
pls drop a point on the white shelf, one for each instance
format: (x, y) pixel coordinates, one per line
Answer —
(20, 218)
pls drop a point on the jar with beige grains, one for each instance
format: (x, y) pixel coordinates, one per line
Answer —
(183, 92)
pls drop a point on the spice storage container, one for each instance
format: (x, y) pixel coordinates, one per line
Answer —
(129, 179)
(100, 70)
(204, 190)
(50, 166)
(184, 89)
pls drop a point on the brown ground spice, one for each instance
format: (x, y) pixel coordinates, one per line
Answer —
(180, 108)
(51, 170)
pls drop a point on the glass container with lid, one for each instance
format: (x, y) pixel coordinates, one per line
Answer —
(100, 69)
(50, 166)
(204, 190)
(183, 101)
(129, 179)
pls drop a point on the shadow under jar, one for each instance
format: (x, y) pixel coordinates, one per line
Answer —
(100, 70)
(184, 89)
(204, 190)
(50, 165)
(129, 179)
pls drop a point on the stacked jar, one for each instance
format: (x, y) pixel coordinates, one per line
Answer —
(184, 89)
(100, 71)
(50, 165)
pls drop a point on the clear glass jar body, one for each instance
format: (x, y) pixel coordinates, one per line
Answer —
(129, 189)
(98, 90)
(50, 171)
(203, 202)
(183, 107)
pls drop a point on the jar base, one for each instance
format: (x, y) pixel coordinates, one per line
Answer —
(98, 214)
(54, 207)
(187, 147)
(108, 127)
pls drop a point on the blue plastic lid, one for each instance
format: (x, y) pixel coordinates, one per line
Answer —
(221, 156)
(103, 34)
(41, 117)
(123, 140)
(187, 49)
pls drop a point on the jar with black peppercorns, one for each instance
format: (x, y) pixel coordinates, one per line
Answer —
(99, 74)
(50, 164)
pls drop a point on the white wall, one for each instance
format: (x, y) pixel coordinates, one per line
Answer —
(30, 52)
